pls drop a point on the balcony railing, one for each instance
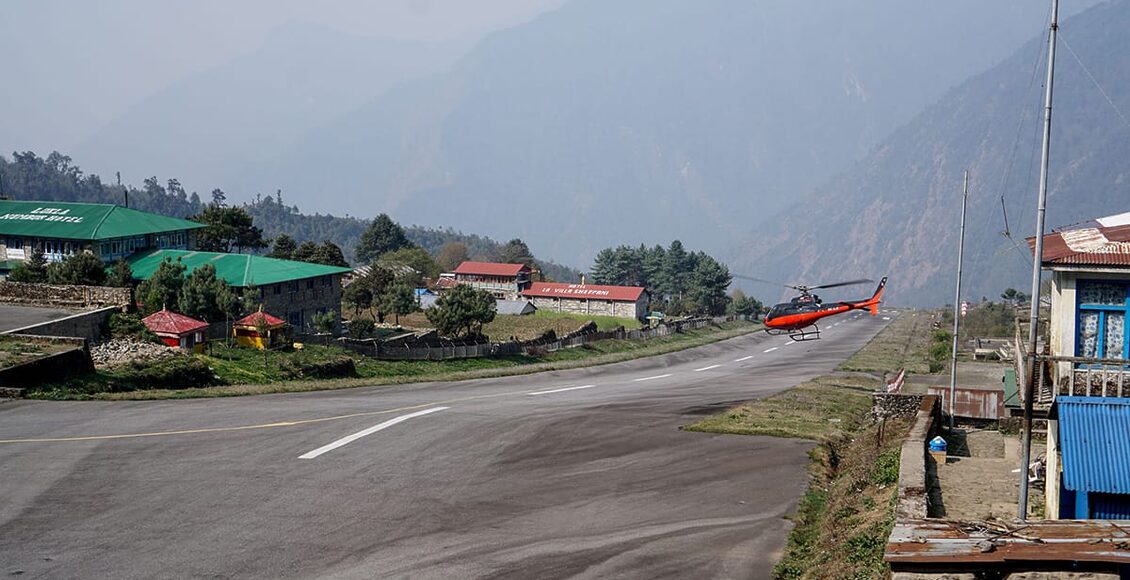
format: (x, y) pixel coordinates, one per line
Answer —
(1056, 375)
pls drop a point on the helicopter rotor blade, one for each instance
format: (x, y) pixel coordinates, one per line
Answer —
(837, 284)
(763, 280)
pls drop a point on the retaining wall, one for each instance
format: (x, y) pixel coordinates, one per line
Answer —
(91, 325)
(58, 366)
(913, 484)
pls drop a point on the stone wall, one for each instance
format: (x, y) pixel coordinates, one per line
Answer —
(619, 309)
(91, 326)
(299, 301)
(895, 406)
(64, 296)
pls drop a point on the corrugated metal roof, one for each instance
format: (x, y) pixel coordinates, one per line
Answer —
(491, 269)
(1094, 435)
(239, 270)
(514, 307)
(82, 221)
(174, 323)
(584, 291)
(1101, 242)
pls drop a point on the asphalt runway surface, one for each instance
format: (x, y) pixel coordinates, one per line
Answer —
(13, 317)
(572, 474)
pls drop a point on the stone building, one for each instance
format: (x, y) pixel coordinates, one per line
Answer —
(504, 281)
(62, 229)
(295, 291)
(618, 301)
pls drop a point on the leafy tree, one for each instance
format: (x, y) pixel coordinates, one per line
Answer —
(206, 297)
(383, 236)
(399, 299)
(677, 266)
(327, 253)
(219, 197)
(325, 322)
(517, 252)
(463, 310)
(33, 270)
(742, 305)
(120, 275)
(368, 292)
(163, 287)
(1014, 296)
(81, 269)
(359, 295)
(417, 259)
(283, 247)
(360, 328)
(228, 228)
(707, 285)
(451, 255)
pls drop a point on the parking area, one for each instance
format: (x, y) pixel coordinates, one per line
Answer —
(13, 317)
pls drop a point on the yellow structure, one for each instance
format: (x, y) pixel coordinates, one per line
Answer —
(260, 330)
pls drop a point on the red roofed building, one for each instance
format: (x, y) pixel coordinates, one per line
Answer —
(619, 301)
(505, 281)
(176, 329)
(250, 330)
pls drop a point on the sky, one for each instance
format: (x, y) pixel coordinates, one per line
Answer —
(73, 66)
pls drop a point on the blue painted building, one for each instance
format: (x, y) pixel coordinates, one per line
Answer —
(1094, 439)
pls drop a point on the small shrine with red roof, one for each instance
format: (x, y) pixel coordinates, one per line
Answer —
(260, 330)
(175, 329)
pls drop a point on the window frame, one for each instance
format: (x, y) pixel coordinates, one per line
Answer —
(1102, 309)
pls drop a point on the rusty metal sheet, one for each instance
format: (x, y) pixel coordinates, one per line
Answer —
(920, 544)
(972, 403)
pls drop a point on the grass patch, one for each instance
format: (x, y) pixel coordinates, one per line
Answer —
(14, 351)
(844, 518)
(822, 409)
(251, 372)
(905, 343)
(530, 326)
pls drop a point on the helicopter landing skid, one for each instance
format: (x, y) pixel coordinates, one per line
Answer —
(802, 335)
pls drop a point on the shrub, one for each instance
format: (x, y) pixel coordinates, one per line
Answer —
(177, 372)
(322, 368)
(126, 325)
(361, 328)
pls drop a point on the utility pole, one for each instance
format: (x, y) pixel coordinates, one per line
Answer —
(1037, 263)
(957, 297)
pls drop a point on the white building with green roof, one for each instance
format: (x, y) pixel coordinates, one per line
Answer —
(63, 229)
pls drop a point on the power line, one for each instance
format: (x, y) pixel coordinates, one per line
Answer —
(1095, 81)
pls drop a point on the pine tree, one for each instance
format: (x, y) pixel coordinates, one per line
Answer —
(383, 236)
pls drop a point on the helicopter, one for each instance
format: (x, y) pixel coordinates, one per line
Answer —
(797, 317)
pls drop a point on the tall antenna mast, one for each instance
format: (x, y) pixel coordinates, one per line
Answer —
(1037, 263)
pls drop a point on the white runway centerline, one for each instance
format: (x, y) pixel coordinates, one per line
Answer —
(561, 390)
(351, 438)
(651, 378)
(743, 358)
(707, 368)
(770, 349)
(789, 342)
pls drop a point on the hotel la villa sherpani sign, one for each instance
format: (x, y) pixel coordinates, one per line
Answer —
(45, 214)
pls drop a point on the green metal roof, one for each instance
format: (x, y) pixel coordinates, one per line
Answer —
(82, 221)
(239, 270)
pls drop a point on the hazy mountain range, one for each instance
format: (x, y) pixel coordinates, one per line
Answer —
(897, 211)
(597, 124)
(805, 141)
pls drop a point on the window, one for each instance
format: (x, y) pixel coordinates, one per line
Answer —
(278, 288)
(310, 284)
(1101, 324)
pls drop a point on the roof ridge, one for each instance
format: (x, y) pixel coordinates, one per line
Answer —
(94, 232)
